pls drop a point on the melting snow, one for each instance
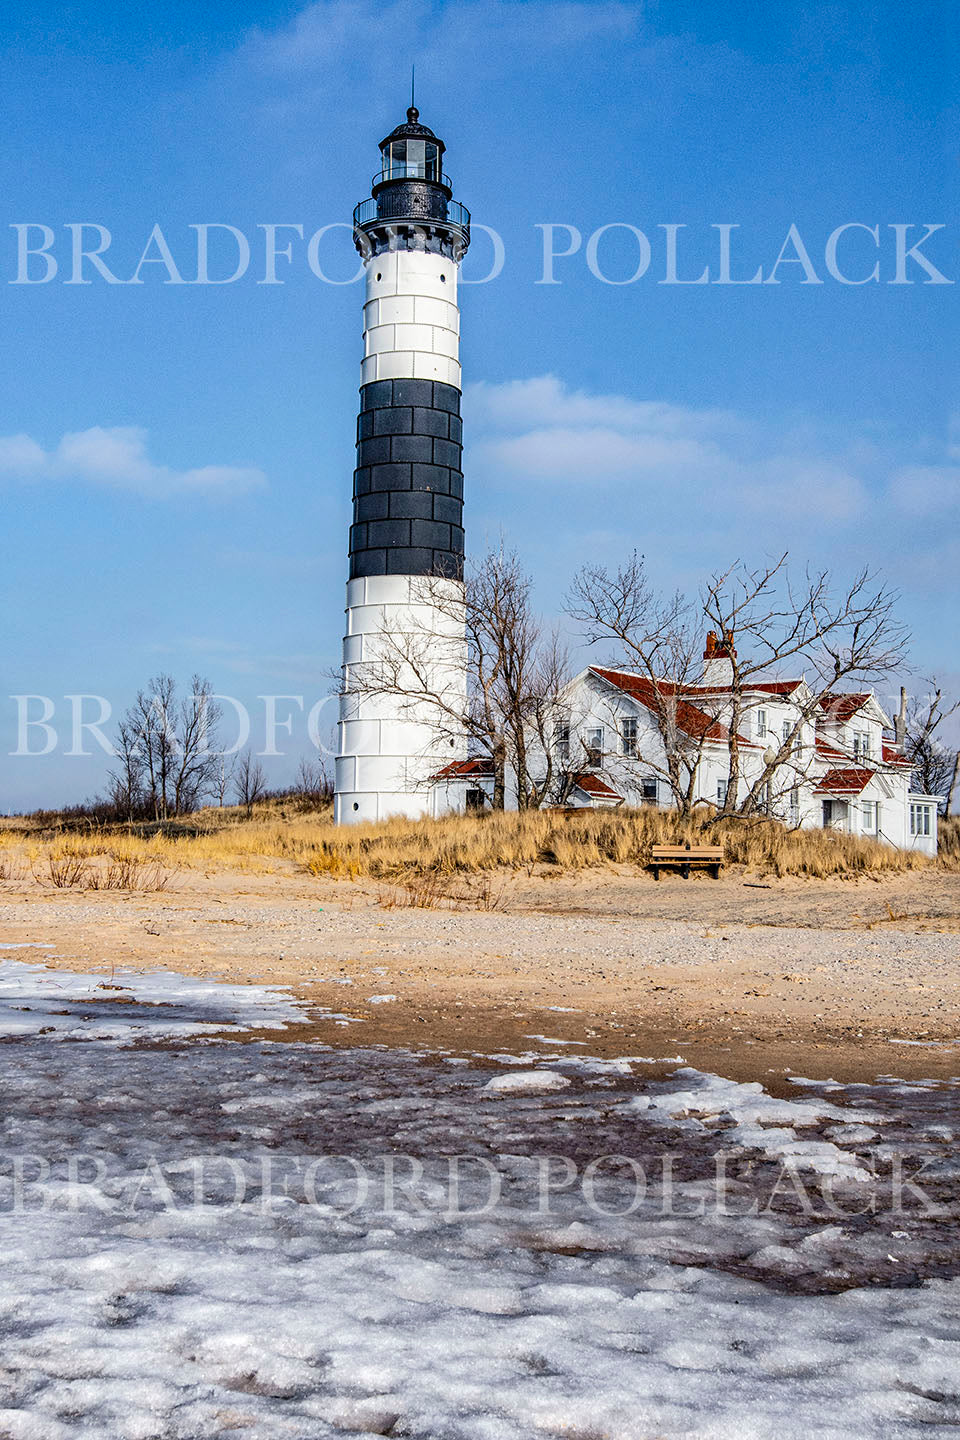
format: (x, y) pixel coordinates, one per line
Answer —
(129, 1005)
(295, 1301)
(526, 1082)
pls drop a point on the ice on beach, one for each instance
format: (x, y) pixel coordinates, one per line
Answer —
(526, 1082)
(296, 1302)
(757, 1121)
(552, 1040)
(380, 999)
(126, 1005)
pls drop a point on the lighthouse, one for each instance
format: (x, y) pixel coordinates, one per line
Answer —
(398, 721)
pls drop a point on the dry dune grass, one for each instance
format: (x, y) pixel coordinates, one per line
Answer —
(588, 838)
(949, 846)
(141, 856)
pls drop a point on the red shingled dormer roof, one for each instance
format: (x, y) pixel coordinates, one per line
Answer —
(893, 755)
(843, 707)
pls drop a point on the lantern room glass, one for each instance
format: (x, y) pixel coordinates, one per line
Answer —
(411, 159)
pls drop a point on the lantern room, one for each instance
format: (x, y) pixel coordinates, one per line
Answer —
(412, 152)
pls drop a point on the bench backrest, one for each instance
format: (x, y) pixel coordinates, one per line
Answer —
(680, 852)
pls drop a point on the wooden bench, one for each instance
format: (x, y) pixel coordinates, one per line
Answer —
(706, 857)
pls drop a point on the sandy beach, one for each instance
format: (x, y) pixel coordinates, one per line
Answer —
(754, 979)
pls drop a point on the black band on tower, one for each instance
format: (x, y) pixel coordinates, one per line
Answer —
(408, 484)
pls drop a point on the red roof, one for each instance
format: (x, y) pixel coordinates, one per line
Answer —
(829, 752)
(850, 781)
(776, 687)
(767, 687)
(893, 755)
(463, 769)
(842, 707)
(592, 785)
(690, 719)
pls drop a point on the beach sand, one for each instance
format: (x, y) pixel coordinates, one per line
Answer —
(752, 978)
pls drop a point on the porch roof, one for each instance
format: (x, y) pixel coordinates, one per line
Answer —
(849, 781)
(465, 770)
(596, 788)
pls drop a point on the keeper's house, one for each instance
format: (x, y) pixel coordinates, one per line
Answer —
(837, 766)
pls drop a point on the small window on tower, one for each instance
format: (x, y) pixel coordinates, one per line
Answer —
(443, 279)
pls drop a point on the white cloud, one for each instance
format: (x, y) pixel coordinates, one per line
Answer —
(953, 446)
(117, 457)
(20, 455)
(926, 490)
(709, 464)
(545, 400)
(589, 452)
(323, 34)
(591, 477)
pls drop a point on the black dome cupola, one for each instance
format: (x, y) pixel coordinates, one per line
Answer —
(413, 152)
(411, 198)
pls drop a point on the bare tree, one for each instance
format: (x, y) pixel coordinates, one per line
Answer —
(126, 780)
(515, 670)
(935, 765)
(836, 636)
(223, 779)
(153, 713)
(196, 761)
(168, 747)
(657, 639)
(249, 781)
(312, 787)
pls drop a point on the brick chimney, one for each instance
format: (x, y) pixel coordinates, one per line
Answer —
(718, 659)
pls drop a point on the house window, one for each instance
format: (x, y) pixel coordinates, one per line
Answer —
(476, 799)
(919, 819)
(868, 816)
(721, 793)
(861, 744)
(795, 806)
(628, 735)
(561, 741)
(761, 722)
(648, 790)
(787, 730)
(594, 746)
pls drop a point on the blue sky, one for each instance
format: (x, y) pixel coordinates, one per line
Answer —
(175, 460)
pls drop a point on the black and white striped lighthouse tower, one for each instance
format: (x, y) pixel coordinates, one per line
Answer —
(406, 542)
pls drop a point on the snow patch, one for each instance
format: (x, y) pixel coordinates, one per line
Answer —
(526, 1082)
